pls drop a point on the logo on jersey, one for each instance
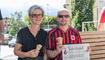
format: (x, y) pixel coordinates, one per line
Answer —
(72, 37)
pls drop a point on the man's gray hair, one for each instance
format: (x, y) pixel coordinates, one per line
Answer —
(32, 8)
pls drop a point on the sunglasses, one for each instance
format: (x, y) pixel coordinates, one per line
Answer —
(61, 16)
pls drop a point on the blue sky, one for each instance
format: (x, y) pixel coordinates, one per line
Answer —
(10, 6)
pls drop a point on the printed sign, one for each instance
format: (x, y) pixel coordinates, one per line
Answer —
(76, 52)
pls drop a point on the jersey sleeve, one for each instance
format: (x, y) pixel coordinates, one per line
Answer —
(49, 42)
(79, 41)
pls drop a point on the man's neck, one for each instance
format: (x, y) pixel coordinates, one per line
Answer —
(35, 27)
(64, 28)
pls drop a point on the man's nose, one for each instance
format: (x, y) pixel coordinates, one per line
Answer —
(63, 17)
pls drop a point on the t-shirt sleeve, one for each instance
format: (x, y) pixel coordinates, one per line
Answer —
(79, 41)
(19, 38)
(102, 18)
(0, 15)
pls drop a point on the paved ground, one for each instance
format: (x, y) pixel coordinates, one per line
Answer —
(6, 53)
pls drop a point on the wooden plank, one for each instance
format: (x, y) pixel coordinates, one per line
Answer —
(97, 48)
(97, 52)
(97, 56)
(93, 40)
(95, 32)
(97, 44)
(88, 33)
(93, 36)
(98, 59)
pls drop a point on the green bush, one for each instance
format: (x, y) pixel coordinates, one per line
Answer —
(81, 11)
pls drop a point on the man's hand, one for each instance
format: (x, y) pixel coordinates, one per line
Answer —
(32, 53)
(59, 48)
(54, 53)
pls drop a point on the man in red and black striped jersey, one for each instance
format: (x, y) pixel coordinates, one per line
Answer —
(70, 36)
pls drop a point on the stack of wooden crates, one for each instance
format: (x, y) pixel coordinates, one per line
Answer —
(96, 41)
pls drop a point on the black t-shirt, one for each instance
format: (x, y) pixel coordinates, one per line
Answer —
(0, 15)
(29, 42)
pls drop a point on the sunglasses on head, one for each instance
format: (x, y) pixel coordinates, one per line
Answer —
(61, 16)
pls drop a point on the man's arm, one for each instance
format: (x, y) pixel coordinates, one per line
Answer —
(1, 26)
(18, 52)
(54, 53)
(45, 54)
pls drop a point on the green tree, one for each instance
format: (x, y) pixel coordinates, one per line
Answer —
(26, 20)
(81, 11)
(45, 20)
(15, 23)
(50, 19)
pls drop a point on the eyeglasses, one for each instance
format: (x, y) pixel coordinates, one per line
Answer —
(35, 15)
(61, 16)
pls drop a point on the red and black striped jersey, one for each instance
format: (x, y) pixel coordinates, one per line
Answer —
(71, 36)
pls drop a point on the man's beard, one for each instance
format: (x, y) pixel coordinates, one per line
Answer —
(62, 24)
